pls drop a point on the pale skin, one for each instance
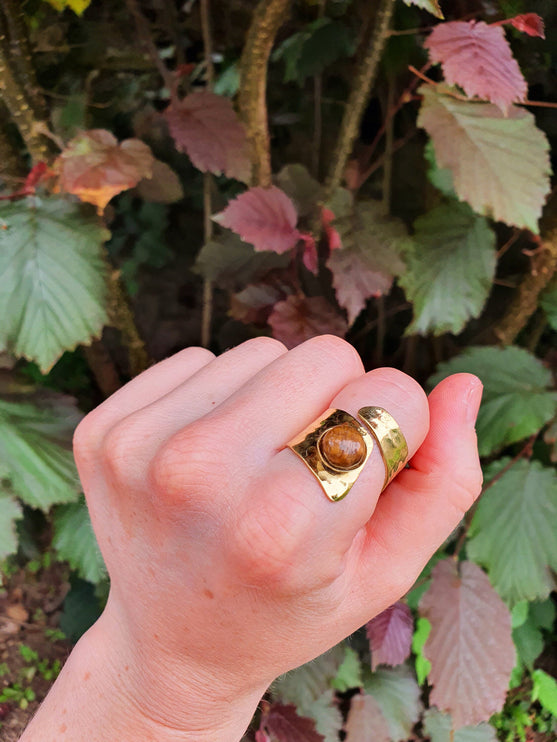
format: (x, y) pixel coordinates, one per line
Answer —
(228, 564)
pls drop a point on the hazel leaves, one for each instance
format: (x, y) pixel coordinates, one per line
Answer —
(470, 646)
(510, 153)
(52, 278)
(205, 126)
(477, 57)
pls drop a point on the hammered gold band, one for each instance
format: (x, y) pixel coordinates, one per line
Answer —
(336, 447)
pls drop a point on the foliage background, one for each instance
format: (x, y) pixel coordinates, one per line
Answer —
(399, 165)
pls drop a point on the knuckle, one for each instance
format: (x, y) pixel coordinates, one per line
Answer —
(339, 349)
(268, 537)
(85, 438)
(186, 464)
(119, 447)
(266, 345)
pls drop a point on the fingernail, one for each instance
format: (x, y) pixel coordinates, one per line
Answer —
(473, 400)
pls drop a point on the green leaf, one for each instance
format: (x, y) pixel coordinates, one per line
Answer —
(349, 674)
(545, 691)
(528, 640)
(10, 511)
(318, 45)
(232, 263)
(81, 610)
(432, 6)
(450, 265)
(301, 187)
(52, 278)
(439, 728)
(75, 541)
(543, 614)
(441, 178)
(423, 665)
(519, 614)
(500, 164)
(548, 302)
(35, 447)
(514, 531)
(398, 695)
(308, 682)
(517, 400)
(309, 689)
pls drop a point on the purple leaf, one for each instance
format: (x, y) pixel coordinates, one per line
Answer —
(265, 217)
(390, 635)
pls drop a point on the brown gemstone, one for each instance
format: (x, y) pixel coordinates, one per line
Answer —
(343, 447)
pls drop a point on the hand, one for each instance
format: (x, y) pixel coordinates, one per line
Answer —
(228, 564)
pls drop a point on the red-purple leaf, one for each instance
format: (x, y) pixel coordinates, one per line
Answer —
(390, 635)
(282, 724)
(262, 736)
(478, 58)
(95, 167)
(205, 126)
(310, 257)
(265, 217)
(470, 646)
(529, 23)
(299, 318)
(365, 722)
(370, 254)
(355, 281)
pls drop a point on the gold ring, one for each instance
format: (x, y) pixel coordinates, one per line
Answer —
(336, 447)
(390, 440)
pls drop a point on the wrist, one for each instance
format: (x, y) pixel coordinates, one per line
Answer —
(110, 689)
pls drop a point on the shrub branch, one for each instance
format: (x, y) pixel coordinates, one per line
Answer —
(359, 95)
(267, 19)
(525, 302)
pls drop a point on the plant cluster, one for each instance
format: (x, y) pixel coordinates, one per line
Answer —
(362, 169)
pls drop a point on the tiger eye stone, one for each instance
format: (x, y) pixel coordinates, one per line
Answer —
(343, 447)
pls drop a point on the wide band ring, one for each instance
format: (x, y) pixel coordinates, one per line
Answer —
(336, 447)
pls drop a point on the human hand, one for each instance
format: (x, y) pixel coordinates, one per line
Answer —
(228, 564)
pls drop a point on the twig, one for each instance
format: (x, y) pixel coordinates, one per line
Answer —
(380, 161)
(389, 142)
(14, 97)
(146, 39)
(21, 56)
(359, 95)
(509, 243)
(525, 452)
(466, 99)
(121, 317)
(103, 368)
(268, 17)
(525, 303)
(207, 299)
(317, 111)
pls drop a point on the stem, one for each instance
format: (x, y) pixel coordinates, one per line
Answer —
(13, 96)
(317, 110)
(121, 317)
(20, 55)
(359, 95)
(103, 368)
(317, 124)
(389, 141)
(380, 339)
(207, 300)
(267, 19)
(146, 39)
(525, 452)
(525, 303)
(12, 165)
